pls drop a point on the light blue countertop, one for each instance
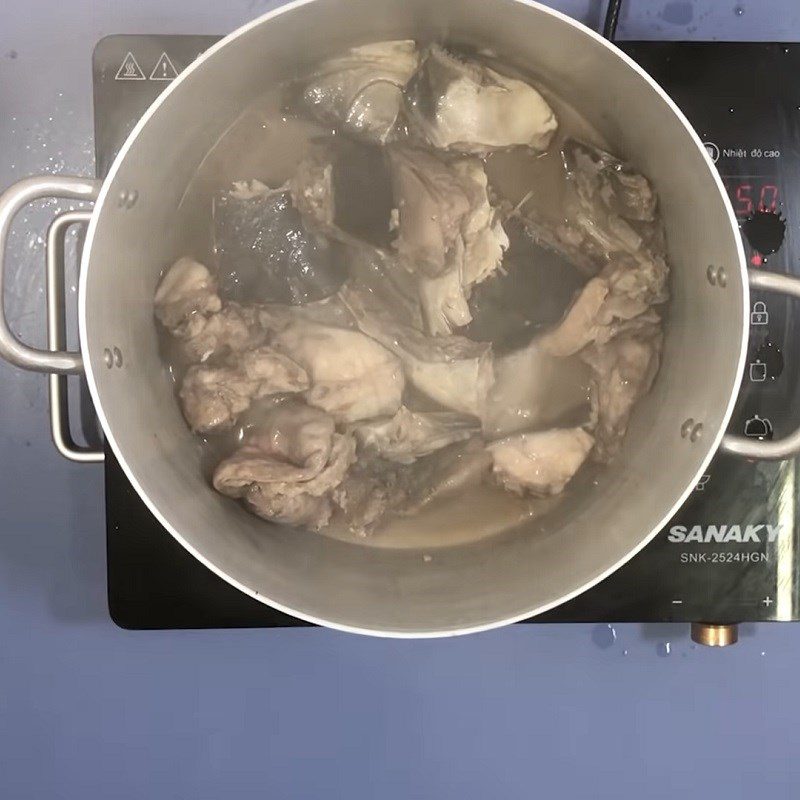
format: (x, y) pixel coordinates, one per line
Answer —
(90, 711)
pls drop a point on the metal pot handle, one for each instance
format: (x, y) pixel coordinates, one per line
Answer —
(56, 360)
(11, 202)
(755, 448)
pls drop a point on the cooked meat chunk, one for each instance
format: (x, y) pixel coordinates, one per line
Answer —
(274, 372)
(286, 470)
(213, 397)
(449, 235)
(610, 211)
(623, 371)
(623, 291)
(232, 330)
(422, 304)
(542, 462)
(186, 295)
(605, 181)
(457, 104)
(444, 302)
(362, 90)
(451, 370)
(409, 435)
(187, 304)
(432, 203)
(265, 251)
(485, 240)
(352, 376)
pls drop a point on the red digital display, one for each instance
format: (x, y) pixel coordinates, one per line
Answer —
(749, 195)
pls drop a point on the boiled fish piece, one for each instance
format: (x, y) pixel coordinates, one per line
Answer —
(186, 294)
(432, 202)
(265, 251)
(345, 191)
(542, 462)
(311, 189)
(362, 90)
(623, 371)
(444, 473)
(459, 104)
(485, 240)
(443, 301)
(532, 290)
(610, 211)
(298, 510)
(376, 488)
(410, 435)
(448, 234)
(352, 376)
(624, 290)
(601, 179)
(453, 371)
(370, 492)
(346, 186)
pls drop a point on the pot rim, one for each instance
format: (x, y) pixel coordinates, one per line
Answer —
(713, 445)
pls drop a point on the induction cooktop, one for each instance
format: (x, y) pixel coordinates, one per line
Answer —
(731, 554)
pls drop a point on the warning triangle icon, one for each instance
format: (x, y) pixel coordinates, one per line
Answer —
(129, 70)
(164, 70)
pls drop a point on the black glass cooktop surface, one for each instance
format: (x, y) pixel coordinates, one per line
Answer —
(731, 553)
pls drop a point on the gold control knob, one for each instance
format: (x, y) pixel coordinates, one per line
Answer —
(711, 635)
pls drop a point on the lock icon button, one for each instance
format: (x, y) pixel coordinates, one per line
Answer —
(759, 315)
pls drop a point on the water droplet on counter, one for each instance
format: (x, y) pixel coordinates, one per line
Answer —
(763, 652)
(664, 649)
(624, 652)
(739, 11)
(604, 636)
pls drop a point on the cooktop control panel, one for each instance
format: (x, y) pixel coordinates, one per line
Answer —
(731, 554)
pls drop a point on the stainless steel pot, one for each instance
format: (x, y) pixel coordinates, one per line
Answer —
(139, 225)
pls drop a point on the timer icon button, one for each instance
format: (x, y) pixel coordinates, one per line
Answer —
(766, 363)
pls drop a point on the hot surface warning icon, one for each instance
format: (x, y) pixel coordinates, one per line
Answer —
(164, 70)
(129, 70)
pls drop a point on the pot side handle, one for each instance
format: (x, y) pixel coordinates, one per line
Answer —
(12, 201)
(788, 446)
(56, 360)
